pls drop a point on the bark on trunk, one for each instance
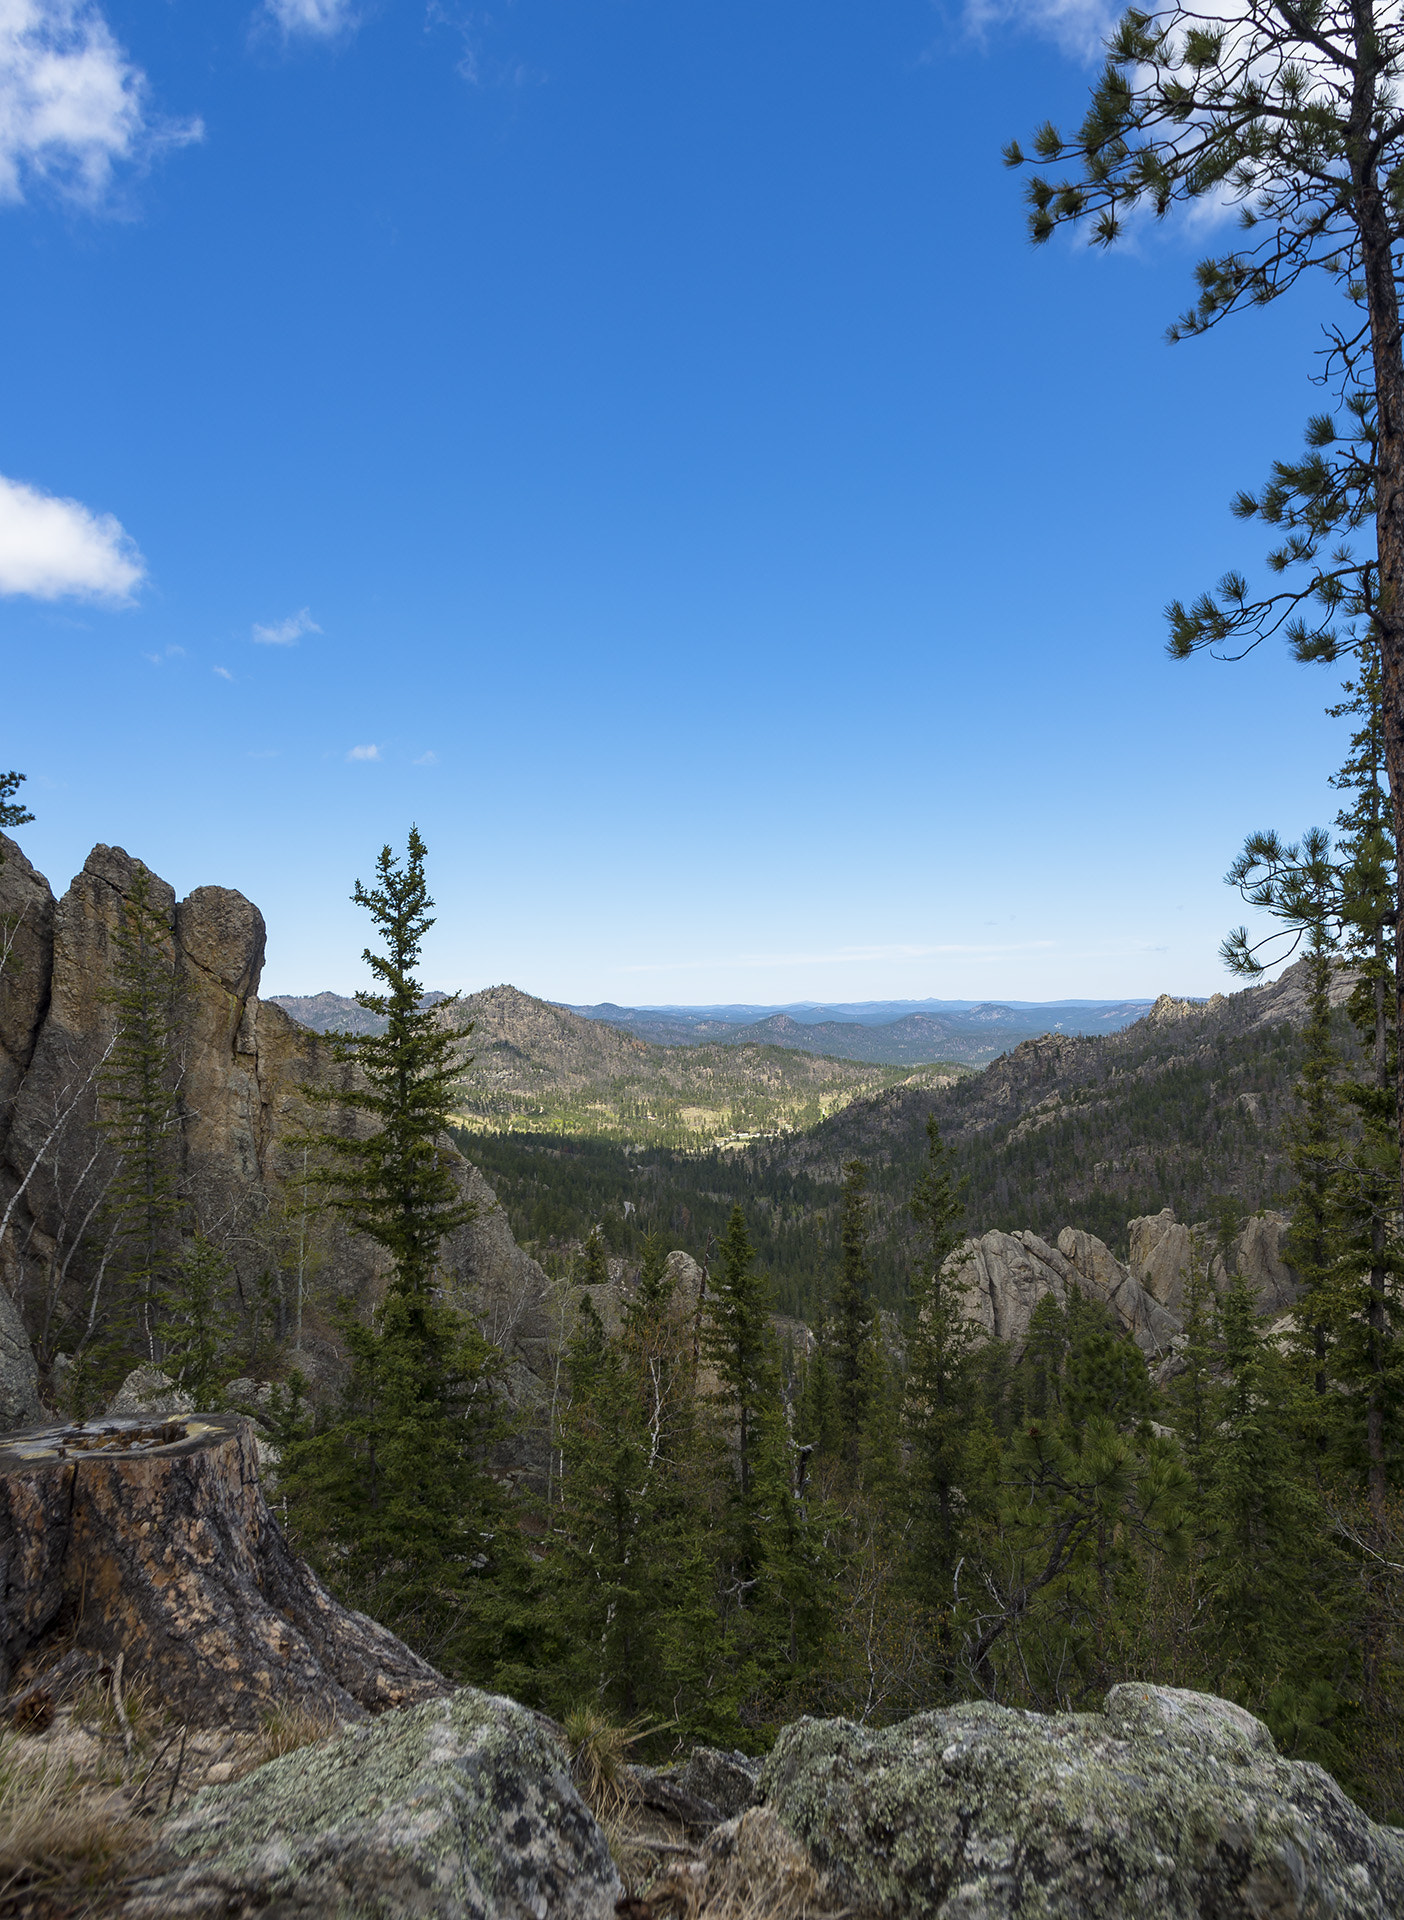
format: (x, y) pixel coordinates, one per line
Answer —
(153, 1540)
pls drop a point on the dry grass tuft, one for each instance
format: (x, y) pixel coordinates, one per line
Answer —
(287, 1729)
(748, 1869)
(597, 1749)
(58, 1836)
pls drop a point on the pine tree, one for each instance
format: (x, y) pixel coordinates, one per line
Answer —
(1370, 1261)
(140, 1114)
(738, 1342)
(594, 1260)
(12, 812)
(852, 1323)
(1313, 1148)
(199, 1314)
(393, 1183)
(390, 1494)
(1268, 1631)
(941, 1398)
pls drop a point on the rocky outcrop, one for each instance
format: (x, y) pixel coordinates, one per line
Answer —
(26, 961)
(1007, 1274)
(245, 1071)
(460, 1809)
(19, 1377)
(1167, 1804)
(1161, 1250)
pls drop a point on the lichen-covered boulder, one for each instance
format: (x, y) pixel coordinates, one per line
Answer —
(1167, 1804)
(459, 1809)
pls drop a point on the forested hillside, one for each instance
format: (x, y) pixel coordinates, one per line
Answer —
(540, 1068)
(1182, 1108)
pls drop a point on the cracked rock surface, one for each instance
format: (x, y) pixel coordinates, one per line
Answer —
(1168, 1804)
(458, 1809)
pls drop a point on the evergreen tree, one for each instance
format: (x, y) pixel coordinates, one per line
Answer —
(1313, 1147)
(1268, 1633)
(852, 1323)
(140, 1114)
(738, 1342)
(390, 1180)
(390, 1495)
(655, 1287)
(1291, 111)
(12, 812)
(200, 1315)
(594, 1260)
(817, 1415)
(941, 1399)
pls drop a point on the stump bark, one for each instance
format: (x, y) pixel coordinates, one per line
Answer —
(152, 1539)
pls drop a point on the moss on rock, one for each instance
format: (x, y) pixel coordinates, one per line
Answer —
(458, 1809)
(1168, 1805)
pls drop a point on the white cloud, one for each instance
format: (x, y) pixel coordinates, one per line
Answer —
(52, 548)
(429, 759)
(72, 105)
(318, 18)
(1080, 27)
(223, 672)
(284, 633)
(364, 753)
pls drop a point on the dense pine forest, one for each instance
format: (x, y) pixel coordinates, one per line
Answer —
(1085, 1133)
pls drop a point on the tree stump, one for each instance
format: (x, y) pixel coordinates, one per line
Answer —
(152, 1539)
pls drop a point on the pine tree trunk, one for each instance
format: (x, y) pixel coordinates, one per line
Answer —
(153, 1540)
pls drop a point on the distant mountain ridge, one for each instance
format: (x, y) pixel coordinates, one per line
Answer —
(883, 1032)
(542, 1067)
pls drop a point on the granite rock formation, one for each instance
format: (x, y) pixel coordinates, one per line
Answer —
(245, 1068)
(1166, 1803)
(459, 1809)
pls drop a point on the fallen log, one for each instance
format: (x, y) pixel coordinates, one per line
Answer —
(151, 1540)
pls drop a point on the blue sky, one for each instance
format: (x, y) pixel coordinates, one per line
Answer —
(635, 440)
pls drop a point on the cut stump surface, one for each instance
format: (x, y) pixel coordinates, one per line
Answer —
(152, 1539)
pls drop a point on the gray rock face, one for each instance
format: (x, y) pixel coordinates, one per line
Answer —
(19, 1377)
(1009, 1273)
(1160, 1250)
(459, 1809)
(1166, 1806)
(147, 1391)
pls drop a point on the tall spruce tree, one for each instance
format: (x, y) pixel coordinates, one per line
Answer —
(389, 1494)
(941, 1398)
(389, 1179)
(851, 1326)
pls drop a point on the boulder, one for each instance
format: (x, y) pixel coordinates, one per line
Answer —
(146, 1393)
(462, 1808)
(1167, 1804)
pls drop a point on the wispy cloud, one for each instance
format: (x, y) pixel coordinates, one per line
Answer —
(223, 672)
(369, 752)
(283, 633)
(317, 19)
(429, 759)
(72, 105)
(52, 549)
(836, 957)
(1080, 27)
